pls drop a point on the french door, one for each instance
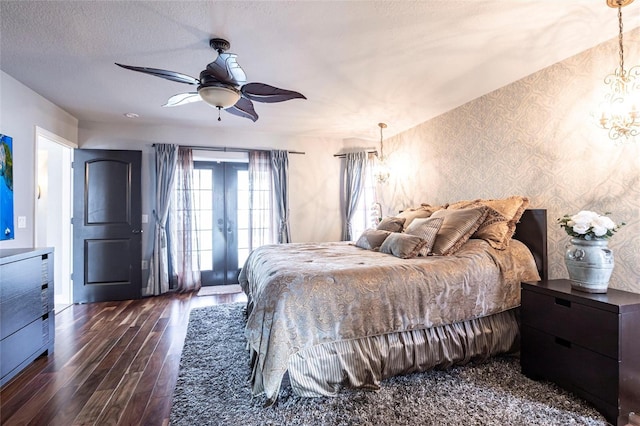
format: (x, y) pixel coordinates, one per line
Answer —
(221, 192)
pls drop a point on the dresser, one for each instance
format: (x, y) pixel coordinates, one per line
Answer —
(27, 321)
(587, 343)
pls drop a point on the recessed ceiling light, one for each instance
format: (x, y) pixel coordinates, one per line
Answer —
(131, 115)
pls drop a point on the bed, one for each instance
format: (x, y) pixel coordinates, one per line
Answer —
(332, 315)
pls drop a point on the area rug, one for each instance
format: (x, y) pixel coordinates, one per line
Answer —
(219, 289)
(212, 389)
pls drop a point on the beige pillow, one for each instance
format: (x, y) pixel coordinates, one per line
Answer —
(502, 217)
(401, 245)
(391, 224)
(427, 229)
(421, 212)
(511, 207)
(372, 239)
(457, 228)
(464, 204)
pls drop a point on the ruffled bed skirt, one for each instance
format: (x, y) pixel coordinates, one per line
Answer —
(363, 363)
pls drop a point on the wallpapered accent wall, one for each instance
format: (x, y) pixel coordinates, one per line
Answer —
(537, 137)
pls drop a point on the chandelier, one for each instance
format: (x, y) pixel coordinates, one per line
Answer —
(382, 169)
(619, 112)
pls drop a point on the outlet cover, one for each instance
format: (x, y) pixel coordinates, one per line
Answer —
(145, 265)
(22, 222)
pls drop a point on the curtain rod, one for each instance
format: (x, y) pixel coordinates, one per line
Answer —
(226, 149)
(375, 151)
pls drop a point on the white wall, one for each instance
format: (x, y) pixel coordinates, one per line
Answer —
(538, 137)
(21, 110)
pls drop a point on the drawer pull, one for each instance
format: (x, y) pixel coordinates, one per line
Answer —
(563, 302)
(563, 342)
(45, 286)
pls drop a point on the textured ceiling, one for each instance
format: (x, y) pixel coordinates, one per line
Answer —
(358, 62)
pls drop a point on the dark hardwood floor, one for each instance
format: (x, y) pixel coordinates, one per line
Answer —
(114, 363)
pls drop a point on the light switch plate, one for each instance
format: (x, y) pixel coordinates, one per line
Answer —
(145, 218)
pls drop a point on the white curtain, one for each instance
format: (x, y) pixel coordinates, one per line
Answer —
(261, 217)
(166, 162)
(184, 233)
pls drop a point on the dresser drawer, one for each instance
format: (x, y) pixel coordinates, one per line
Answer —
(586, 326)
(573, 367)
(25, 344)
(21, 295)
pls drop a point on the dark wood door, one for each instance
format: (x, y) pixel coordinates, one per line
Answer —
(107, 225)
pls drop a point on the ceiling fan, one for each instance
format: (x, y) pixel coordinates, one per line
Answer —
(223, 85)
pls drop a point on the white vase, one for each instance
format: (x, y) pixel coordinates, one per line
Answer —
(590, 264)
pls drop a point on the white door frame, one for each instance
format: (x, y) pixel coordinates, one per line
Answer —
(57, 211)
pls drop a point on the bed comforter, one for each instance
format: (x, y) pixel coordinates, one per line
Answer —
(304, 294)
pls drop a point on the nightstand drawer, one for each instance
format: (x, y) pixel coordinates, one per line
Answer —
(586, 326)
(571, 366)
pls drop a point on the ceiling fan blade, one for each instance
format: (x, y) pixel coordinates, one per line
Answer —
(227, 70)
(169, 75)
(261, 92)
(183, 99)
(243, 108)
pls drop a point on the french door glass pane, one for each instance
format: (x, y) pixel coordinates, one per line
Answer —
(205, 240)
(206, 260)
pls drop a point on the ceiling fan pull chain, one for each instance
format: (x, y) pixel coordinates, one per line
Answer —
(219, 108)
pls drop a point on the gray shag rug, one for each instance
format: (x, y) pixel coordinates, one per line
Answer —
(212, 389)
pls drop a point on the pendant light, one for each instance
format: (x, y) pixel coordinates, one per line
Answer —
(382, 169)
(619, 114)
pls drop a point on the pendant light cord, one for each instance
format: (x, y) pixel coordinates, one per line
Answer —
(620, 40)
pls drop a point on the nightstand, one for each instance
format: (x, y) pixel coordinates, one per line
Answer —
(587, 343)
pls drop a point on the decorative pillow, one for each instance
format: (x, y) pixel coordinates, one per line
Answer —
(457, 228)
(401, 245)
(423, 211)
(391, 224)
(372, 239)
(502, 217)
(495, 229)
(464, 204)
(427, 229)
(511, 207)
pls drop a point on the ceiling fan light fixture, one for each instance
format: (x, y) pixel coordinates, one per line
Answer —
(219, 96)
(222, 84)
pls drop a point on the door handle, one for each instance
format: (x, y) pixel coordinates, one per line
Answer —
(136, 231)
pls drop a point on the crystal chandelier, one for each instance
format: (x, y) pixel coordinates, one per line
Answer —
(619, 112)
(382, 169)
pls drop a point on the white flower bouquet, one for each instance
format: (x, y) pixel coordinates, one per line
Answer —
(588, 225)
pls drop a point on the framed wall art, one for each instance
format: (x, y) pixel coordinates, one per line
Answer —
(6, 188)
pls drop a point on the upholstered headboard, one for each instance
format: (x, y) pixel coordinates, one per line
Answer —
(532, 231)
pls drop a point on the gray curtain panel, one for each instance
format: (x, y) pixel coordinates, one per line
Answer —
(355, 164)
(166, 162)
(280, 171)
